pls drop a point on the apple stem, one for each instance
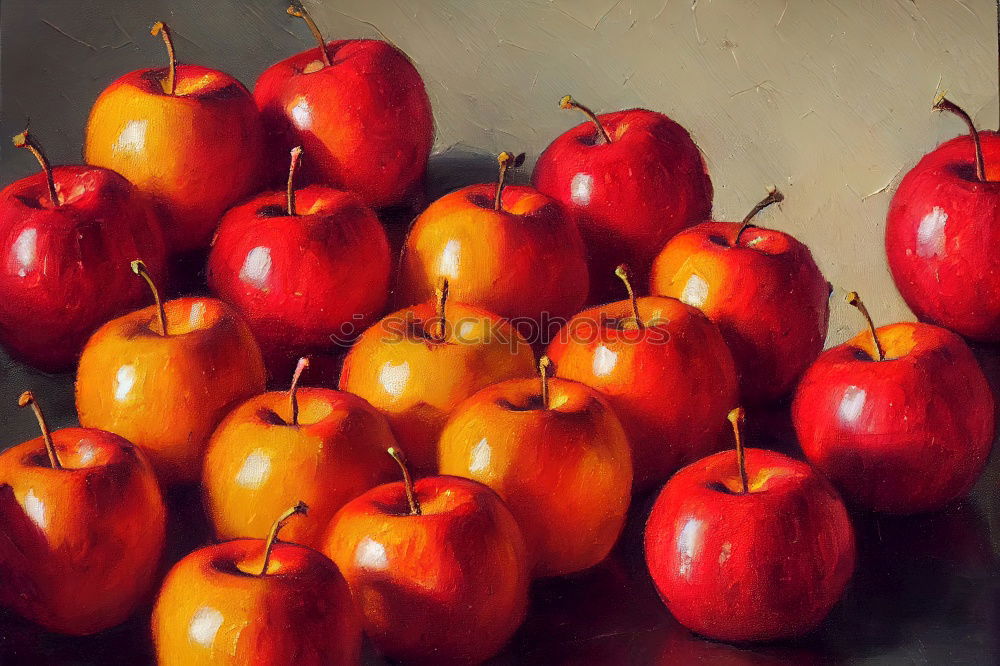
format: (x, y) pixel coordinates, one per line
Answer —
(773, 197)
(623, 274)
(504, 160)
(300, 12)
(292, 168)
(855, 300)
(272, 537)
(441, 302)
(293, 389)
(568, 102)
(160, 28)
(942, 103)
(411, 497)
(28, 398)
(544, 363)
(25, 140)
(139, 268)
(736, 417)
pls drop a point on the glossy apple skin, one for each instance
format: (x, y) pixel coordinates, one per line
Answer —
(445, 587)
(166, 394)
(904, 435)
(194, 154)
(64, 270)
(258, 464)
(671, 384)
(216, 608)
(298, 281)
(629, 196)
(520, 262)
(767, 296)
(87, 539)
(565, 472)
(760, 566)
(365, 122)
(417, 382)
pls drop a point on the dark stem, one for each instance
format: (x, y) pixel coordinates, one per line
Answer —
(736, 417)
(139, 268)
(28, 398)
(568, 102)
(411, 497)
(293, 389)
(300, 12)
(942, 103)
(440, 303)
(292, 168)
(272, 537)
(25, 140)
(160, 28)
(623, 274)
(855, 300)
(773, 197)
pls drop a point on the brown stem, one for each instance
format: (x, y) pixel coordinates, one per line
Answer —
(544, 364)
(568, 102)
(411, 497)
(25, 140)
(942, 103)
(139, 268)
(300, 12)
(773, 197)
(160, 28)
(504, 160)
(623, 274)
(440, 303)
(293, 389)
(272, 537)
(855, 300)
(736, 417)
(28, 398)
(292, 168)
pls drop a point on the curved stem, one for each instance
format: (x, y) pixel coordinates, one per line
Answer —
(736, 417)
(28, 398)
(160, 28)
(623, 274)
(568, 102)
(25, 140)
(292, 168)
(942, 103)
(855, 300)
(504, 159)
(300, 12)
(272, 537)
(293, 389)
(411, 497)
(139, 268)
(440, 303)
(544, 363)
(773, 197)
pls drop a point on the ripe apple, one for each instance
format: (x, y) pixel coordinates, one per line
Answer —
(301, 266)
(438, 568)
(164, 376)
(899, 418)
(941, 229)
(754, 546)
(85, 533)
(189, 137)
(359, 108)
(665, 370)
(510, 250)
(633, 179)
(557, 456)
(66, 236)
(763, 290)
(326, 446)
(416, 365)
(251, 601)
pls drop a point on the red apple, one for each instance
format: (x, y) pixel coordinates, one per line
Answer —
(749, 547)
(634, 178)
(899, 418)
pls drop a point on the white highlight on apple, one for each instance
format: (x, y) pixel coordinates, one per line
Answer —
(695, 291)
(302, 114)
(257, 267)
(35, 508)
(371, 554)
(688, 543)
(604, 362)
(580, 188)
(930, 233)
(393, 378)
(124, 381)
(851, 403)
(132, 137)
(205, 625)
(24, 251)
(255, 470)
(479, 457)
(448, 263)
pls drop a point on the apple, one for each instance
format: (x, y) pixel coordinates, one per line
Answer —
(664, 368)
(359, 108)
(899, 418)
(251, 601)
(84, 534)
(301, 266)
(763, 290)
(754, 546)
(187, 136)
(633, 178)
(66, 236)
(557, 455)
(438, 568)
(164, 376)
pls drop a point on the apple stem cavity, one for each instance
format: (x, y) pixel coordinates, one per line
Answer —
(28, 398)
(296, 157)
(773, 197)
(411, 496)
(139, 268)
(300, 12)
(299, 509)
(506, 161)
(440, 303)
(25, 140)
(736, 418)
(855, 300)
(293, 389)
(170, 85)
(568, 102)
(942, 103)
(622, 272)
(544, 366)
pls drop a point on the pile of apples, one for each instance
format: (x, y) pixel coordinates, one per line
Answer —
(526, 442)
